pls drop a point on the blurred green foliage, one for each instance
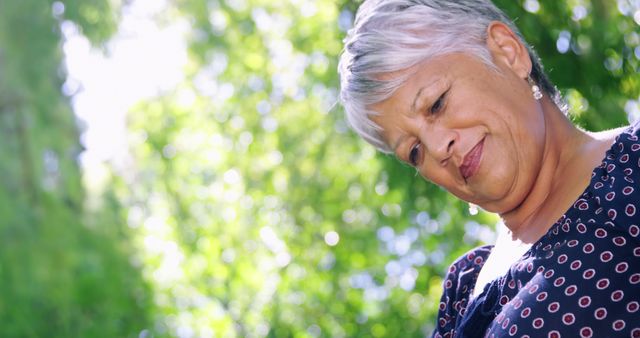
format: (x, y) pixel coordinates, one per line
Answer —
(65, 270)
(244, 174)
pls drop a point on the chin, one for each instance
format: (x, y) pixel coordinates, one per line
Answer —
(497, 198)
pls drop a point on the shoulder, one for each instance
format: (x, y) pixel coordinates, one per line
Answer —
(474, 258)
(463, 272)
(458, 283)
(615, 182)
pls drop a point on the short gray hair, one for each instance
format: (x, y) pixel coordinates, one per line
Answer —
(390, 36)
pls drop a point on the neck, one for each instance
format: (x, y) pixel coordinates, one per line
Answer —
(555, 188)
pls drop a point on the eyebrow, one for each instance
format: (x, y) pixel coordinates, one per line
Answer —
(414, 105)
(398, 143)
(415, 99)
(413, 110)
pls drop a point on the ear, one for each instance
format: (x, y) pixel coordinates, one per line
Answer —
(506, 48)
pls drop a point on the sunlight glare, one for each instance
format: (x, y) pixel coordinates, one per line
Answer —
(142, 60)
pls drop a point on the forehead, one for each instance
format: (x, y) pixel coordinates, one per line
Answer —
(418, 81)
(430, 74)
(423, 83)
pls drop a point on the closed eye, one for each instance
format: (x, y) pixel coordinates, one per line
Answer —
(414, 154)
(439, 104)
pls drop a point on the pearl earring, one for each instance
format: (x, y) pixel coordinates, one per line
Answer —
(537, 93)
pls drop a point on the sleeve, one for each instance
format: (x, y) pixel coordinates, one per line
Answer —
(617, 183)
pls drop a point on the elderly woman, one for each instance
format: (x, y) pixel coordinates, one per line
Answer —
(451, 88)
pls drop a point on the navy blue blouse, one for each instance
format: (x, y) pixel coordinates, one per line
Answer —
(581, 279)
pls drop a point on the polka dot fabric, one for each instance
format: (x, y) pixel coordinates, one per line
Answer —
(581, 279)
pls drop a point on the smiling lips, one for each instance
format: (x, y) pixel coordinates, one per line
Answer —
(471, 162)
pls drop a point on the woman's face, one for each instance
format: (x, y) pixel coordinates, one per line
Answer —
(474, 131)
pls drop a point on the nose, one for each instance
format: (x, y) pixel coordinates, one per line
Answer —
(439, 143)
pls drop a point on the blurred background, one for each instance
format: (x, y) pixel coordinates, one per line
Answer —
(182, 169)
